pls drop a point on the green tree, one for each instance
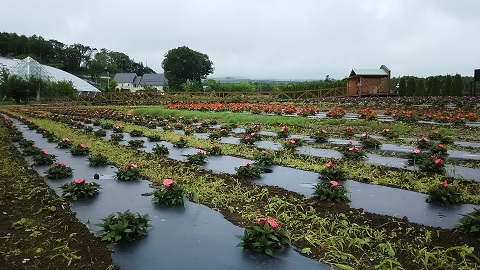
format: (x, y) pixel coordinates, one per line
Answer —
(18, 88)
(411, 86)
(421, 89)
(402, 87)
(183, 64)
(457, 85)
(436, 86)
(4, 84)
(447, 86)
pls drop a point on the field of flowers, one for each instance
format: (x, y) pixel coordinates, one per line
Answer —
(343, 144)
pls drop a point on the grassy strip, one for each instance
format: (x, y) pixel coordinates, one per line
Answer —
(38, 229)
(304, 126)
(331, 235)
(360, 171)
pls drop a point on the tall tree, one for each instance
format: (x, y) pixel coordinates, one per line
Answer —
(457, 85)
(183, 64)
(447, 86)
(411, 86)
(436, 86)
(402, 87)
(421, 90)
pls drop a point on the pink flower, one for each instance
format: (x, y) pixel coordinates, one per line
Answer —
(417, 150)
(423, 138)
(334, 183)
(260, 219)
(245, 163)
(272, 223)
(79, 181)
(65, 139)
(348, 129)
(363, 135)
(62, 164)
(436, 132)
(351, 148)
(167, 182)
(265, 153)
(82, 145)
(440, 145)
(198, 151)
(324, 131)
(386, 130)
(44, 151)
(437, 160)
(329, 164)
(252, 134)
(292, 140)
(444, 183)
(134, 165)
(126, 165)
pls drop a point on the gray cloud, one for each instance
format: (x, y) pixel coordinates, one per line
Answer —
(270, 39)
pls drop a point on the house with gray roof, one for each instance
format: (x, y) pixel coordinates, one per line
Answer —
(133, 83)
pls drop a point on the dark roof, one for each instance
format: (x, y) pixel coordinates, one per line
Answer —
(152, 79)
(137, 80)
(124, 77)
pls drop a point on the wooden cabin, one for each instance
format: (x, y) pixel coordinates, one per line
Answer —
(369, 82)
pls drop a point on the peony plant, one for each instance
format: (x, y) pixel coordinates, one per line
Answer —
(330, 172)
(79, 150)
(160, 149)
(58, 171)
(444, 193)
(79, 189)
(248, 171)
(123, 226)
(169, 193)
(43, 158)
(263, 157)
(128, 172)
(97, 160)
(264, 236)
(198, 158)
(330, 191)
(320, 136)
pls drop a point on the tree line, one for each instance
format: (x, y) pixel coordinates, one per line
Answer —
(448, 85)
(77, 59)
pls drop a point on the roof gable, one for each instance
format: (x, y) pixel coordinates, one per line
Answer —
(368, 72)
(152, 79)
(124, 77)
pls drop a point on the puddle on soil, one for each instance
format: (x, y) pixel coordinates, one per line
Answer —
(195, 232)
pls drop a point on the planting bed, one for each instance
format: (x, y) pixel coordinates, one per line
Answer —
(360, 235)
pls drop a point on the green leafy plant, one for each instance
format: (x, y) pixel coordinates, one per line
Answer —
(444, 193)
(369, 142)
(349, 131)
(118, 129)
(417, 157)
(330, 191)
(79, 189)
(181, 143)
(128, 172)
(433, 164)
(250, 138)
(434, 136)
(136, 133)
(330, 172)
(263, 157)
(64, 143)
(116, 137)
(214, 150)
(160, 149)
(264, 236)
(438, 150)
(154, 138)
(106, 125)
(58, 171)
(198, 158)
(292, 144)
(136, 143)
(79, 150)
(352, 152)
(24, 143)
(43, 158)
(248, 171)
(30, 151)
(283, 133)
(100, 133)
(123, 226)
(169, 193)
(88, 130)
(389, 134)
(320, 136)
(187, 131)
(151, 125)
(470, 223)
(423, 143)
(97, 160)
(215, 135)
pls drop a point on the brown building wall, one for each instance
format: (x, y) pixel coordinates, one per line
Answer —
(368, 86)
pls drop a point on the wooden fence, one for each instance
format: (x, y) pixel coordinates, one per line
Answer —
(126, 98)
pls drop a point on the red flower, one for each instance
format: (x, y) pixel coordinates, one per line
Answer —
(437, 160)
(334, 183)
(79, 181)
(444, 183)
(329, 164)
(167, 182)
(272, 223)
(260, 219)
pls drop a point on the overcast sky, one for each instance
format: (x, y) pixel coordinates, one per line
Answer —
(268, 39)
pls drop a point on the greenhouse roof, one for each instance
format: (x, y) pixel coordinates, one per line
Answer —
(29, 67)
